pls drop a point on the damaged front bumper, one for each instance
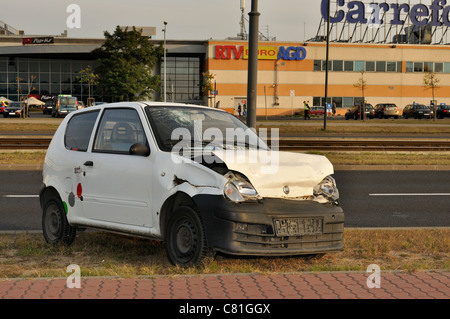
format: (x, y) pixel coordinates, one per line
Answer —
(271, 226)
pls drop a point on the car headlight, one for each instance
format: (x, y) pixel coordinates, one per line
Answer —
(238, 189)
(326, 191)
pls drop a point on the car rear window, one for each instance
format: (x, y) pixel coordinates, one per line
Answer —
(79, 131)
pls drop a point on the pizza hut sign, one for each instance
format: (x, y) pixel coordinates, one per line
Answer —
(41, 40)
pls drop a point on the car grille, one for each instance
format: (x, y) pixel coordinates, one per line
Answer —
(263, 237)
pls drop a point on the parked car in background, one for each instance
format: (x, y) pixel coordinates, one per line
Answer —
(12, 110)
(65, 104)
(417, 111)
(48, 107)
(317, 110)
(355, 112)
(120, 167)
(386, 110)
(443, 111)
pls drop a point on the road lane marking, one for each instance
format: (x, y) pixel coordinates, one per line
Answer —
(412, 194)
(21, 196)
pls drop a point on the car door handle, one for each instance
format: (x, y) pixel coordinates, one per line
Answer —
(89, 163)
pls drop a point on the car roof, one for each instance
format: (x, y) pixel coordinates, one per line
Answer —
(143, 104)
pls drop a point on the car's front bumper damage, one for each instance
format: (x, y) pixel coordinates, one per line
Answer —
(271, 226)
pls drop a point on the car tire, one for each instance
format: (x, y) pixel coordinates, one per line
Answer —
(185, 238)
(55, 225)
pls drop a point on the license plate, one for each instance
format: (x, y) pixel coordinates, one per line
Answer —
(298, 226)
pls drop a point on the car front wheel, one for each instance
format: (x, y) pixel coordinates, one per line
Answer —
(55, 226)
(185, 238)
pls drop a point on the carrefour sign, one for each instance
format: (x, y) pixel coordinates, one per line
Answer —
(358, 12)
(234, 52)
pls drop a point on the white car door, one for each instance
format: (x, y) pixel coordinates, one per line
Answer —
(116, 186)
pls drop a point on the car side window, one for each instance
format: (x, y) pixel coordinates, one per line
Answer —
(79, 131)
(118, 130)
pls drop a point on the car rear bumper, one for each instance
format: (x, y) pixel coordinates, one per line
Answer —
(253, 228)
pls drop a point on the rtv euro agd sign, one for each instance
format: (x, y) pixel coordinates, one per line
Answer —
(234, 52)
(435, 15)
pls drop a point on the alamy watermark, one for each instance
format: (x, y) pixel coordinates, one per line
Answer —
(374, 280)
(74, 19)
(212, 146)
(74, 279)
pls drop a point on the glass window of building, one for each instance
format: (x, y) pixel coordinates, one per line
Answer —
(391, 66)
(409, 67)
(348, 66)
(360, 66)
(316, 101)
(439, 67)
(347, 102)
(182, 79)
(428, 67)
(338, 65)
(418, 66)
(447, 67)
(337, 101)
(317, 65)
(3, 64)
(370, 66)
(324, 63)
(381, 66)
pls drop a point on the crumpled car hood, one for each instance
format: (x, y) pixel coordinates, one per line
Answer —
(270, 173)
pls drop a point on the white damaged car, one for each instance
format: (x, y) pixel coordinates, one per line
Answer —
(194, 177)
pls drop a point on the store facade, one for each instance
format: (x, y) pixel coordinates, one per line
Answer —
(289, 73)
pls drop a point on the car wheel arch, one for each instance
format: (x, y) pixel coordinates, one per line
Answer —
(171, 204)
(46, 193)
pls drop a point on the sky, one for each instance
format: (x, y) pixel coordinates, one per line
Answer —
(287, 20)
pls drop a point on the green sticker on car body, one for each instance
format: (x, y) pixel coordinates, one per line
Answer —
(66, 209)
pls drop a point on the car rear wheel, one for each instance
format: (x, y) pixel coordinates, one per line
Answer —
(55, 226)
(185, 238)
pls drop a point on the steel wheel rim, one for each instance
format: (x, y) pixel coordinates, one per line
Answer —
(53, 222)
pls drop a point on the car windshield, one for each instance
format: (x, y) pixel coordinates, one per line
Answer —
(200, 128)
(68, 102)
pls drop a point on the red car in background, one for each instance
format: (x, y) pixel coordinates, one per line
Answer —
(317, 110)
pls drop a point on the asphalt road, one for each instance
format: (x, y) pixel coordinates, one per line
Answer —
(369, 199)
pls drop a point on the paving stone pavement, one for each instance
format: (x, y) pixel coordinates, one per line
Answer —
(330, 285)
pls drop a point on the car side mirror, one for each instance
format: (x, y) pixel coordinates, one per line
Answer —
(139, 149)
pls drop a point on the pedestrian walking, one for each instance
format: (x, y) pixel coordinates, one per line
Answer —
(306, 110)
(239, 109)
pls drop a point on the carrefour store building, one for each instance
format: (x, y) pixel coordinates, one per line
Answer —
(290, 73)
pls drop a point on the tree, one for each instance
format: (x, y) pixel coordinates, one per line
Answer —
(125, 64)
(89, 77)
(362, 85)
(208, 83)
(430, 82)
(24, 108)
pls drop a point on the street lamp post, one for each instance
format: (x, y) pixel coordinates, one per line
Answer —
(165, 63)
(326, 71)
(252, 65)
